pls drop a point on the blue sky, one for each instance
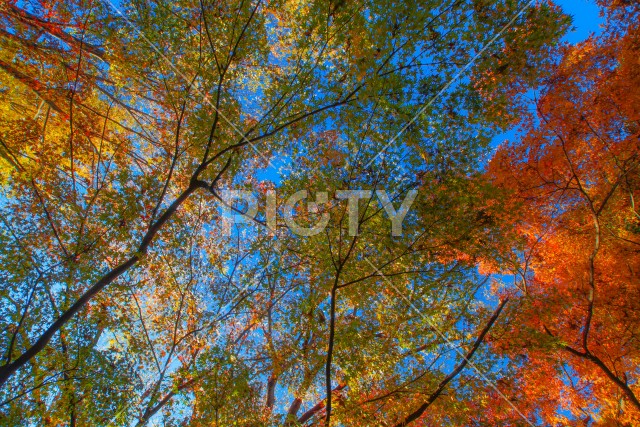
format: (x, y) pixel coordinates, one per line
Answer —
(586, 18)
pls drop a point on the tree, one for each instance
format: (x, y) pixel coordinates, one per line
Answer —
(576, 184)
(118, 268)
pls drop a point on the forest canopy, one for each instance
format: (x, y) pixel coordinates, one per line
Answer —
(304, 213)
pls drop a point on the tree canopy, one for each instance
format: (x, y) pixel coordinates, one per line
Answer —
(285, 213)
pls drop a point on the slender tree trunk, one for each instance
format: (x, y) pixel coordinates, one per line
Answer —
(10, 368)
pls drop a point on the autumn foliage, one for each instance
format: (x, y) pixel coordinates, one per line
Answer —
(575, 175)
(128, 296)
